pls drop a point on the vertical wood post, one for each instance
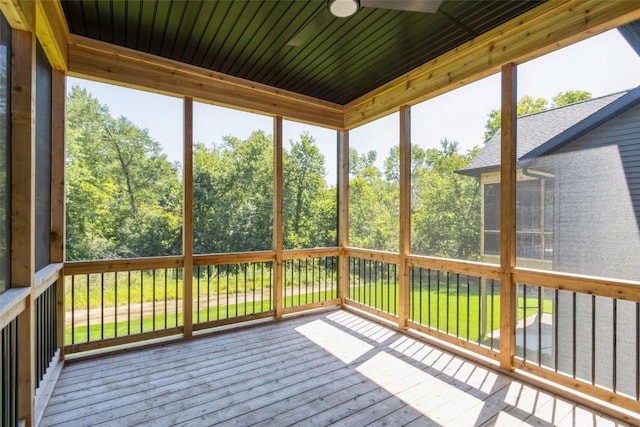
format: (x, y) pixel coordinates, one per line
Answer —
(343, 214)
(508, 164)
(23, 208)
(405, 215)
(187, 220)
(278, 239)
(58, 95)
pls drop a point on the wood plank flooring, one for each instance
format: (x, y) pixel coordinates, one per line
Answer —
(328, 369)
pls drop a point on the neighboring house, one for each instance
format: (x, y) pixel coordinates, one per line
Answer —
(578, 211)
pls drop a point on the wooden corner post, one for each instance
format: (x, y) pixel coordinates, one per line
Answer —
(343, 214)
(187, 224)
(508, 164)
(23, 162)
(405, 215)
(278, 239)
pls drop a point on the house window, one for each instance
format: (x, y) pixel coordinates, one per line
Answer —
(534, 219)
(5, 157)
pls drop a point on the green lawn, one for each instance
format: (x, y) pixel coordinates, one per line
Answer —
(150, 323)
(457, 314)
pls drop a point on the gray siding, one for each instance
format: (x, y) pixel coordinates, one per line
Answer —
(597, 233)
(598, 204)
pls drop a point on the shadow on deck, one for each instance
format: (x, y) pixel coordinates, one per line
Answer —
(329, 368)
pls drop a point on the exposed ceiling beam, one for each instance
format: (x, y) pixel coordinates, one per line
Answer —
(98, 60)
(546, 28)
(52, 32)
(19, 14)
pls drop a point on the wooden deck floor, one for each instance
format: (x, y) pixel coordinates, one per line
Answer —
(329, 369)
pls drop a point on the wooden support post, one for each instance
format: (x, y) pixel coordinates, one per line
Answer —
(23, 162)
(58, 95)
(508, 165)
(343, 214)
(187, 220)
(405, 215)
(278, 239)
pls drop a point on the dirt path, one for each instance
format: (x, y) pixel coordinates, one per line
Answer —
(97, 315)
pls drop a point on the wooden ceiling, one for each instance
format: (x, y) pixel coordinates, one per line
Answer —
(339, 60)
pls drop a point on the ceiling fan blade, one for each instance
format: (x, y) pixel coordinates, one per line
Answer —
(311, 29)
(425, 6)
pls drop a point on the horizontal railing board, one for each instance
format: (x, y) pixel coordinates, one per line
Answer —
(129, 339)
(126, 264)
(598, 394)
(390, 257)
(470, 268)
(46, 277)
(12, 303)
(311, 306)
(233, 320)
(311, 253)
(234, 258)
(612, 288)
(363, 307)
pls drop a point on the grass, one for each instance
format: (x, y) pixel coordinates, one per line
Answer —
(457, 314)
(95, 332)
(447, 311)
(123, 288)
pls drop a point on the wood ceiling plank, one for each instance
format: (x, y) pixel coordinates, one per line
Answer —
(103, 61)
(548, 27)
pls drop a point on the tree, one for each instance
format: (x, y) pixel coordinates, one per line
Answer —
(309, 206)
(446, 204)
(233, 195)
(373, 203)
(529, 105)
(570, 97)
(123, 195)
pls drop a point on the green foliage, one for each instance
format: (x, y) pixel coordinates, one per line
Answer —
(529, 105)
(309, 205)
(233, 195)
(123, 196)
(570, 97)
(446, 204)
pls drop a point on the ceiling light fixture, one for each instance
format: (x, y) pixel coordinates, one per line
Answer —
(343, 8)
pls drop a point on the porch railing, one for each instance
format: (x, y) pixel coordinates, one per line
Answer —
(581, 332)
(46, 326)
(226, 290)
(9, 373)
(40, 334)
(119, 302)
(562, 321)
(373, 282)
(310, 279)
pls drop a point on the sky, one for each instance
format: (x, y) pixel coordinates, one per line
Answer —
(601, 65)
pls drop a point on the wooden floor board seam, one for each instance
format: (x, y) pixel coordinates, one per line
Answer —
(302, 371)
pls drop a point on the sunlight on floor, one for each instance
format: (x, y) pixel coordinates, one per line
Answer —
(361, 326)
(342, 345)
(438, 384)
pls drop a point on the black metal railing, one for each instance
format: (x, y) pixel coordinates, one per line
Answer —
(227, 291)
(45, 331)
(9, 374)
(592, 339)
(464, 306)
(374, 284)
(309, 280)
(117, 304)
